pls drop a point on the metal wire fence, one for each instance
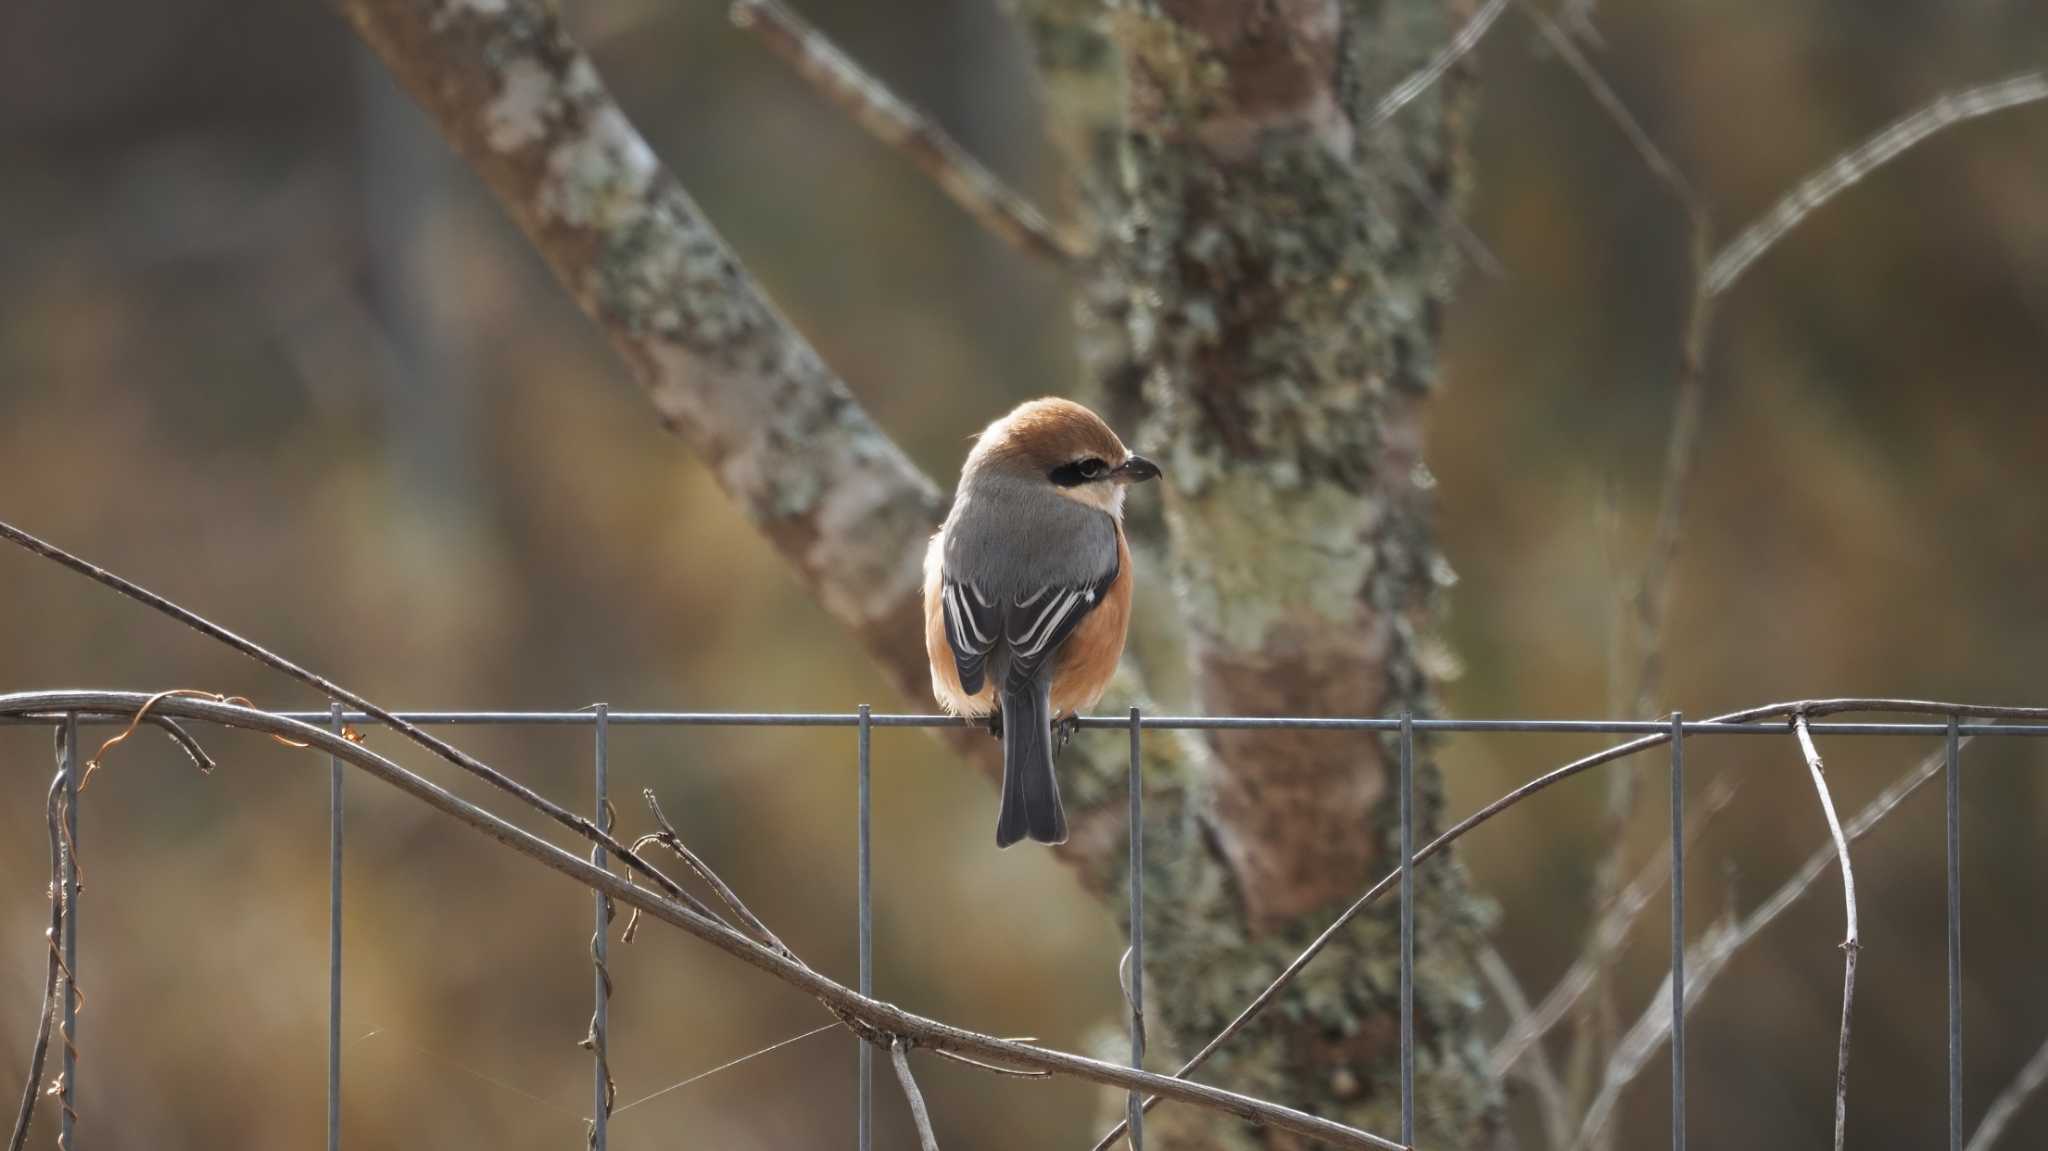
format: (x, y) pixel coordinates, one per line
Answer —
(601, 719)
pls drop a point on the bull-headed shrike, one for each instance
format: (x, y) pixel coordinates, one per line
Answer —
(1027, 592)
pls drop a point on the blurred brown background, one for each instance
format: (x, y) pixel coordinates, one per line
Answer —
(265, 347)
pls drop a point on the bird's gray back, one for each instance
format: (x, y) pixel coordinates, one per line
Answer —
(1012, 537)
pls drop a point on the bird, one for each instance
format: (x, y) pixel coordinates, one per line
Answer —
(1027, 593)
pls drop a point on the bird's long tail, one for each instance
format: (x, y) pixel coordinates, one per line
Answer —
(1031, 795)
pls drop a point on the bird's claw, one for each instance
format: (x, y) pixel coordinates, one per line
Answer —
(1063, 730)
(995, 723)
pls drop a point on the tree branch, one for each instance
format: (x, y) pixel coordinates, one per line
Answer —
(1852, 166)
(332, 690)
(1425, 77)
(873, 1020)
(2024, 1086)
(1542, 1079)
(1606, 939)
(1852, 942)
(1770, 711)
(726, 372)
(972, 188)
(1706, 959)
(899, 1054)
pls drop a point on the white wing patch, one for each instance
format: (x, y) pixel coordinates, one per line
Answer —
(963, 622)
(1040, 629)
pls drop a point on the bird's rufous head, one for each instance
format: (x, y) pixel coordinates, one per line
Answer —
(1063, 444)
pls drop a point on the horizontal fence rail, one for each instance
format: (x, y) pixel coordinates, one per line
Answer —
(2026, 722)
(588, 717)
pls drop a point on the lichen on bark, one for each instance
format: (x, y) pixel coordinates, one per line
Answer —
(1266, 304)
(1263, 301)
(727, 373)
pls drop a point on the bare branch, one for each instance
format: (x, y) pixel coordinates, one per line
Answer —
(2024, 1086)
(1852, 940)
(1706, 959)
(1426, 77)
(872, 1019)
(668, 837)
(1652, 596)
(1852, 166)
(1611, 103)
(726, 372)
(1524, 1038)
(899, 1054)
(1681, 454)
(1541, 1077)
(1703, 962)
(1769, 711)
(332, 690)
(1653, 590)
(972, 187)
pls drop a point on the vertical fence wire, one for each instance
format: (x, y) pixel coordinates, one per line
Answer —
(334, 827)
(1955, 941)
(68, 1115)
(1677, 931)
(1134, 1109)
(866, 913)
(600, 1020)
(1407, 929)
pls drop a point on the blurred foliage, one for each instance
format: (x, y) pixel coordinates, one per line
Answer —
(268, 349)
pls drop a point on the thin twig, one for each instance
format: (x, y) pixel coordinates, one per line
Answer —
(1852, 941)
(52, 976)
(1611, 103)
(1541, 1077)
(1705, 960)
(668, 837)
(1524, 1038)
(1770, 711)
(1425, 77)
(1652, 594)
(332, 690)
(1444, 216)
(972, 187)
(899, 1054)
(873, 1020)
(1850, 167)
(2023, 1087)
(1681, 455)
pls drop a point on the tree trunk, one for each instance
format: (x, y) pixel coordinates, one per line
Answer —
(1265, 300)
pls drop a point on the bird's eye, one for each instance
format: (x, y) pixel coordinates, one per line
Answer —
(1077, 472)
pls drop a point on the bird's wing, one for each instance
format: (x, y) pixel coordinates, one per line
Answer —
(1032, 626)
(973, 624)
(1035, 625)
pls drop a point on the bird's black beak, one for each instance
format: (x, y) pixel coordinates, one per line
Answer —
(1135, 470)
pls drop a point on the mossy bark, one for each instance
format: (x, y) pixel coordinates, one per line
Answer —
(1264, 303)
(1265, 306)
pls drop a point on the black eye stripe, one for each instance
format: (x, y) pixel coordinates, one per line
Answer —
(1078, 472)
